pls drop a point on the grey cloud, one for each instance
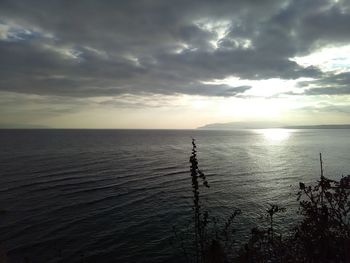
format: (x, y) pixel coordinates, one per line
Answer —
(160, 47)
(339, 80)
(128, 104)
(329, 27)
(215, 90)
(304, 25)
(330, 84)
(328, 91)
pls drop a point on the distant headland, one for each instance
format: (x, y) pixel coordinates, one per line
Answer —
(267, 125)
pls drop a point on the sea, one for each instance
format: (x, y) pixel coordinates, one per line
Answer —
(115, 195)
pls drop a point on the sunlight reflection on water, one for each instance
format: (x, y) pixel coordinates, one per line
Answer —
(275, 135)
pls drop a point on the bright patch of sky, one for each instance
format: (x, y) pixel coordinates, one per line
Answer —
(14, 33)
(327, 59)
(219, 27)
(182, 47)
(66, 52)
(133, 60)
(101, 53)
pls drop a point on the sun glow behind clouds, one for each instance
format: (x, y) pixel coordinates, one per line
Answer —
(327, 59)
(220, 28)
(252, 108)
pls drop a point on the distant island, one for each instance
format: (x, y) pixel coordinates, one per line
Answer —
(267, 125)
(326, 126)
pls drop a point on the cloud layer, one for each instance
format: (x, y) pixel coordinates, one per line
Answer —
(110, 48)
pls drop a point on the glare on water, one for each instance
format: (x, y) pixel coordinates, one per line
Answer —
(276, 135)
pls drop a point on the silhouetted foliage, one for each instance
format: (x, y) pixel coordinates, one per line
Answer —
(200, 219)
(321, 235)
(324, 233)
(265, 244)
(210, 241)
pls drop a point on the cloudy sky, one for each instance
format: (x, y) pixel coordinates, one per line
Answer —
(173, 64)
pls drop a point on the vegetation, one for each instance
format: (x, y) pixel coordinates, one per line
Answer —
(209, 239)
(321, 235)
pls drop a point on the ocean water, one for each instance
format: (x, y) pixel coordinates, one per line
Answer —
(114, 195)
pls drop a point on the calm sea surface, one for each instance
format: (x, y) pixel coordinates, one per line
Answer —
(114, 195)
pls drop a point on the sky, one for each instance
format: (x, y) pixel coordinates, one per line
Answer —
(173, 64)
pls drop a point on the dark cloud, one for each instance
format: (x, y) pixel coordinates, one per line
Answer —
(330, 84)
(328, 91)
(106, 48)
(336, 80)
(214, 90)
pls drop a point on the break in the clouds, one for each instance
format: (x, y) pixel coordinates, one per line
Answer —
(104, 57)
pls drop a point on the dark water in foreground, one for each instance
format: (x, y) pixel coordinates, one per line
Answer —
(114, 195)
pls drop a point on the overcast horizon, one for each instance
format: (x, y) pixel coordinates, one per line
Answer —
(173, 65)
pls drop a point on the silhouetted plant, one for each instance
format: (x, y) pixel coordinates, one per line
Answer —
(321, 235)
(210, 241)
(264, 245)
(200, 219)
(324, 233)
(274, 209)
(228, 230)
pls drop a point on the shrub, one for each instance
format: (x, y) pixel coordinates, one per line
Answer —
(322, 234)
